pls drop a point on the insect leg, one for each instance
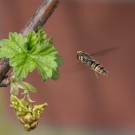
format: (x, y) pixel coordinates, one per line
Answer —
(96, 75)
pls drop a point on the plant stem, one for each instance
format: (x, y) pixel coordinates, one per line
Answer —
(40, 17)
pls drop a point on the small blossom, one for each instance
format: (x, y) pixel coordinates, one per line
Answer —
(28, 115)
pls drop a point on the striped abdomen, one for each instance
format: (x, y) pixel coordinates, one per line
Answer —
(93, 64)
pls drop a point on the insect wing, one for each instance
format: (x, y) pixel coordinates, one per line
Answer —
(105, 51)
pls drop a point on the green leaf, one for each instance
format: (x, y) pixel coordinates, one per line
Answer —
(30, 52)
(23, 64)
(55, 74)
(28, 87)
(8, 49)
(12, 46)
(43, 50)
(14, 89)
(41, 35)
(32, 40)
(18, 41)
(25, 86)
(59, 60)
(45, 66)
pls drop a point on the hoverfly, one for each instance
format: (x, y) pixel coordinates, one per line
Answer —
(91, 62)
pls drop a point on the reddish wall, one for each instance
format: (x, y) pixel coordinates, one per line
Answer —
(78, 97)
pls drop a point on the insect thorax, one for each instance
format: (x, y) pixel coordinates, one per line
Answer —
(84, 58)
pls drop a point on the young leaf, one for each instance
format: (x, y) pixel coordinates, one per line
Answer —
(27, 53)
(55, 74)
(59, 60)
(18, 41)
(28, 87)
(14, 89)
(23, 85)
(41, 35)
(22, 64)
(32, 40)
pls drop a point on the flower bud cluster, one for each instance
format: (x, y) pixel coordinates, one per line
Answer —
(27, 114)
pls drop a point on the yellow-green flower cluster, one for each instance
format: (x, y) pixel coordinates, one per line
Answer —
(26, 113)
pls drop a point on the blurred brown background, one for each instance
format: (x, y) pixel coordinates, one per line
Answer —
(78, 98)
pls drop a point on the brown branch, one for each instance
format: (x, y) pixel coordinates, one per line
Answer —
(4, 68)
(5, 82)
(40, 17)
(44, 11)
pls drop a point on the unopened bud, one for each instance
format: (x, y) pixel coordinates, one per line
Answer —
(28, 118)
(27, 127)
(22, 121)
(34, 125)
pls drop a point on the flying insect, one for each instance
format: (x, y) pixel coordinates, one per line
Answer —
(91, 62)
